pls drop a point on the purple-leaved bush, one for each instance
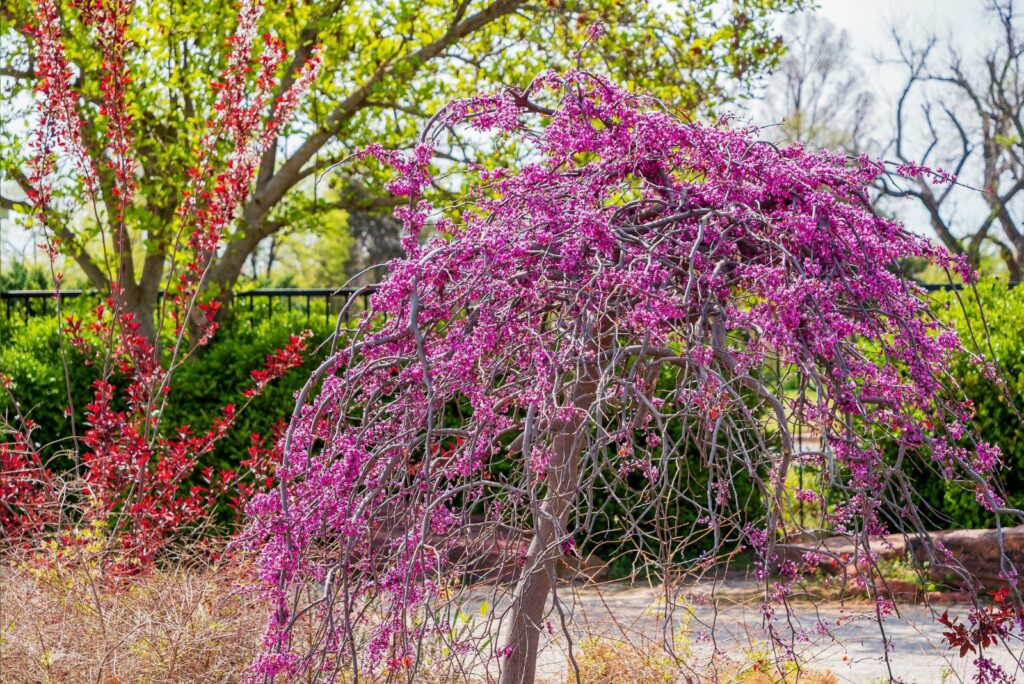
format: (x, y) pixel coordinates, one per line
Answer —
(633, 295)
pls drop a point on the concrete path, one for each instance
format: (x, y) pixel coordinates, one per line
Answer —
(729, 614)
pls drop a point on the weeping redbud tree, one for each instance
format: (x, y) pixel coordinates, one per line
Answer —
(643, 298)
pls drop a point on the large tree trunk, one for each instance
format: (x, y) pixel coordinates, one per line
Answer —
(549, 524)
(144, 310)
(141, 305)
(227, 268)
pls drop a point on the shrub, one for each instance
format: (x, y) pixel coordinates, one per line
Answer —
(990, 323)
(214, 377)
(220, 374)
(114, 466)
(31, 359)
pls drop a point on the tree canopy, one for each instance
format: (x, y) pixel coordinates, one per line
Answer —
(387, 67)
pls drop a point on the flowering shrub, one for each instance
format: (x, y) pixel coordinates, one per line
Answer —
(641, 290)
(131, 476)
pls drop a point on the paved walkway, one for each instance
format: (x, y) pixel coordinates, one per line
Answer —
(852, 649)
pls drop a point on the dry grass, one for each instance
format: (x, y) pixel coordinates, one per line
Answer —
(195, 624)
(605, 661)
(175, 626)
(61, 624)
(805, 677)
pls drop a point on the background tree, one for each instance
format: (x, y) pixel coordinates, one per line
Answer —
(374, 240)
(389, 64)
(965, 115)
(817, 94)
(311, 253)
(24, 275)
(351, 247)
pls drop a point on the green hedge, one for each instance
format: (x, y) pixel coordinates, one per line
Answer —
(218, 376)
(30, 357)
(993, 323)
(212, 378)
(220, 373)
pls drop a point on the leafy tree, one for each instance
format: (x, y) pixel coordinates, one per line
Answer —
(388, 65)
(20, 275)
(319, 257)
(117, 470)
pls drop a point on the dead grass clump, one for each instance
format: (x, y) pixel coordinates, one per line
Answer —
(173, 626)
(195, 624)
(607, 661)
(804, 677)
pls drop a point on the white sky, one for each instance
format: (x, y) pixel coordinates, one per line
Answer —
(869, 23)
(966, 25)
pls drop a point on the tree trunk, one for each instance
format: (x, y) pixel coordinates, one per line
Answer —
(142, 306)
(1016, 261)
(1016, 273)
(549, 524)
(144, 311)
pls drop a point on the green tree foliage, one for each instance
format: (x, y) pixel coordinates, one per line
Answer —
(388, 65)
(22, 275)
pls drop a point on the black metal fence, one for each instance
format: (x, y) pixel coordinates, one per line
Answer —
(258, 303)
(945, 287)
(286, 299)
